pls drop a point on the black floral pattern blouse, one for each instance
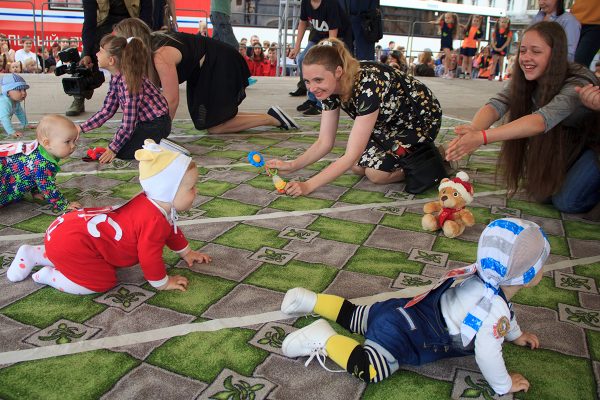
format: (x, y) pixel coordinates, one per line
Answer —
(409, 113)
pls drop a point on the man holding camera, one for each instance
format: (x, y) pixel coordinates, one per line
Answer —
(99, 17)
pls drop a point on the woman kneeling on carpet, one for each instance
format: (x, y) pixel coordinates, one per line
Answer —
(393, 114)
(216, 77)
(473, 317)
(84, 248)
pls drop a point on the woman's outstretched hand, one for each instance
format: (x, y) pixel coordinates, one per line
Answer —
(590, 96)
(193, 256)
(467, 141)
(296, 189)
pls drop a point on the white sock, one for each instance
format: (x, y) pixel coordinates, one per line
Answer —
(52, 277)
(26, 258)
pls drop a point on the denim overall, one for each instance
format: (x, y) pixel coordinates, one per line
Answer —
(415, 335)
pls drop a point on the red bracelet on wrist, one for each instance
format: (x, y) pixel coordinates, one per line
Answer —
(484, 133)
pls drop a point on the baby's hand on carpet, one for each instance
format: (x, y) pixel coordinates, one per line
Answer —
(195, 256)
(527, 339)
(175, 282)
(518, 382)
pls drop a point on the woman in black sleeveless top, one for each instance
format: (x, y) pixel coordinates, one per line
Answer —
(215, 74)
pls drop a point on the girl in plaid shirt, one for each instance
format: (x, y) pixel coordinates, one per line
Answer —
(145, 110)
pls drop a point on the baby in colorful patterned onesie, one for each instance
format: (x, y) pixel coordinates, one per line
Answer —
(32, 167)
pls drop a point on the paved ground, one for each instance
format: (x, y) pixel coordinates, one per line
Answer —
(376, 248)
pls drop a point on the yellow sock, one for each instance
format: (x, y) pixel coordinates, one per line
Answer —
(328, 306)
(339, 349)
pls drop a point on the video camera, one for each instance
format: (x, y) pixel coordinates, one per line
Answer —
(82, 81)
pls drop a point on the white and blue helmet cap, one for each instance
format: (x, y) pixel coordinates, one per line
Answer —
(511, 251)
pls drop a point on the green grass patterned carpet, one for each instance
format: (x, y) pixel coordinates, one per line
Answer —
(372, 244)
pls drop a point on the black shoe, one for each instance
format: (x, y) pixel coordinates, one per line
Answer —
(289, 120)
(298, 92)
(313, 110)
(305, 106)
(286, 122)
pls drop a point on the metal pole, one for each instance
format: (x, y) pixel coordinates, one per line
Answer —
(283, 29)
(281, 38)
(411, 39)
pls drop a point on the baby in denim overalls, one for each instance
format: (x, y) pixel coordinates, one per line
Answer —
(473, 317)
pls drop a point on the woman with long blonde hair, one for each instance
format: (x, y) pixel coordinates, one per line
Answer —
(393, 114)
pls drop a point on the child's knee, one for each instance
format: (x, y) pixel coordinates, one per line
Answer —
(376, 176)
(215, 129)
(568, 203)
(358, 170)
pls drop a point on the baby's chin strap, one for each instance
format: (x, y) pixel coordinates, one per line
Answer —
(476, 315)
(174, 217)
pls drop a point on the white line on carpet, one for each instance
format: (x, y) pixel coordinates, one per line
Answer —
(279, 214)
(128, 171)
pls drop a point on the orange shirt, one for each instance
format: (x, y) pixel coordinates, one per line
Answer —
(587, 12)
(470, 40)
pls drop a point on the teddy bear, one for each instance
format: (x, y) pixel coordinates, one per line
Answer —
(449, 212)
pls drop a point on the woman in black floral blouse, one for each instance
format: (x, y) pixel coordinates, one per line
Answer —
(392, 114)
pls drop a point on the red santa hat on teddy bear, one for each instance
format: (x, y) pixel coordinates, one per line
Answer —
(461, 185)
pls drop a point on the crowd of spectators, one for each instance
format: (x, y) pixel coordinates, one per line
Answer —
(30, 59)
(262, 57)
(427, 64)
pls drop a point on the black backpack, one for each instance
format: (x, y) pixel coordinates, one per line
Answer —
(370, 20)
(372, 24)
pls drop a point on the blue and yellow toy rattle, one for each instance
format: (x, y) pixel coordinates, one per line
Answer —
(256, 159)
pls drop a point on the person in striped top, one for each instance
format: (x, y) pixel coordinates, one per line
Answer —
(145, 110)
